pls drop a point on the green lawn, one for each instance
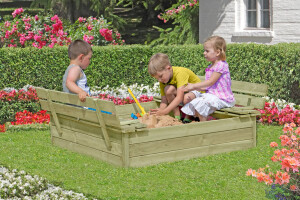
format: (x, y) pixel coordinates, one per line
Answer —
(214, 177)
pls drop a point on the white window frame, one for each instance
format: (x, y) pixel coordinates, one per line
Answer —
(241, 29)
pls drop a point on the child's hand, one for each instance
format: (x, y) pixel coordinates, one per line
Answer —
(82, 96)
(189, 87)
(157, 112)
(153, 111)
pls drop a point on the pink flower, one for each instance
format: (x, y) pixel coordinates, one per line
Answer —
(106, 33)
(17, 12)
(293, 187)
(81, 19)
(36, 18)
(273, 144)
(90, 27)
(7, 24)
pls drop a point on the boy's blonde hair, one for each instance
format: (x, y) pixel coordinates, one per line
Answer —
(157, 63)
(218, 43)
(78, 47)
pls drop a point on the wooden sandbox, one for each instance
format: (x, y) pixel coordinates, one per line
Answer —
(121, 141)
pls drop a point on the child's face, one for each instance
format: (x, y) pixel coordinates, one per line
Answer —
(210, 53)
(165, 75)
(85, 60)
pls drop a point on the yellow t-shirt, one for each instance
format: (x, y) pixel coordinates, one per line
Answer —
(181, 76)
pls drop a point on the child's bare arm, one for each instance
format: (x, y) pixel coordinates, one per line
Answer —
(73, 76)
(177, 100)
(205, 84)
(163, 105)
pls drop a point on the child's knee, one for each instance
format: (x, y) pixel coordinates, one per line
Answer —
(188, 97)
(170, 90)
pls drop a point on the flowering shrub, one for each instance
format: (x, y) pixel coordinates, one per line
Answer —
(2, 128)
(21, 95)
(26, 117)
(20, 185)
(176, 9)
(184, 17)
(13, 101)
(34, 31)
(271, 114)
(288, 177)
(40, 31)
(95, 31)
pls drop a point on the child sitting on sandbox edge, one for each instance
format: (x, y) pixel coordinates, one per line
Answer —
(217, 82)
(74, 79)
(172, 81)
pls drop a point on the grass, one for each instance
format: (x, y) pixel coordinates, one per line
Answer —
(219, 176)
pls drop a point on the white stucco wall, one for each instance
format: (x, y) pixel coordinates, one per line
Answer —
(226, 18)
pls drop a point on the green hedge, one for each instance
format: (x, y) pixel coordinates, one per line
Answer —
(275, 65)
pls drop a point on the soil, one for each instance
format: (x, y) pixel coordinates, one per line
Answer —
(153, 121)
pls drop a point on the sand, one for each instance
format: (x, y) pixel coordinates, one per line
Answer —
(153, 121)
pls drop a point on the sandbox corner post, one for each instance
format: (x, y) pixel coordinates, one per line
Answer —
(53, 112)
(125, 150)
(102, 125)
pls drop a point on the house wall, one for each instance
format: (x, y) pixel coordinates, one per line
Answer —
(227, 19)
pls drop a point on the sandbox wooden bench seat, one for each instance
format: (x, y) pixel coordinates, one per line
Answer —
(247, 95)
(109, 134)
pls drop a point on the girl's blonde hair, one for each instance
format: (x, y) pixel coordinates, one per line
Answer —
(218, 43)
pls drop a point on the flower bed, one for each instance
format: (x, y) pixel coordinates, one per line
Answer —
(27, 95)
(20, 185)
(285, 183)
(276, 114)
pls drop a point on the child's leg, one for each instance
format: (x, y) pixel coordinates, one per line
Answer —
(201, 118)
(188, 97)
(171, 92)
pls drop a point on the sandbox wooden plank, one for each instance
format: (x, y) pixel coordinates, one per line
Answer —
(41, 92)
(246, 100)
(188, 142)
(92, 129)
(222, 115)
(249, 88)
(133, 108)
(125, 150)
(99, 155)
(87, 140)
(185, 154)
(155, 134)
(73, 99)
(81, 113)
(246, 87)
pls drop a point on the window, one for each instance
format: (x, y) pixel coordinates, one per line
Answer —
(258, 13)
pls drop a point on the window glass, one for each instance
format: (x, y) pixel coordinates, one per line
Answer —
(251, 5)
(265, 19)
(251, 21)
(265, 4)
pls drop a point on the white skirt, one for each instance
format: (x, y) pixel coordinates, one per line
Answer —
(205, 104)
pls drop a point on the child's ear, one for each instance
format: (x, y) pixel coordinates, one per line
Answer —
(80, 57)
(168, 67)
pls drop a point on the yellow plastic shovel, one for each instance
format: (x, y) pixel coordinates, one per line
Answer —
(137, 102)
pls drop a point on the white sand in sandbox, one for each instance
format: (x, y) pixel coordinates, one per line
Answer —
(153, 121)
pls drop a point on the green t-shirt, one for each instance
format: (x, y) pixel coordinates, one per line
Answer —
(181, 76)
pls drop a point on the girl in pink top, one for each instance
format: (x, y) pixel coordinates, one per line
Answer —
(217, 82)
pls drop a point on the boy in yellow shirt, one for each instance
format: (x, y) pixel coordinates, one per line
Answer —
(172, 81)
